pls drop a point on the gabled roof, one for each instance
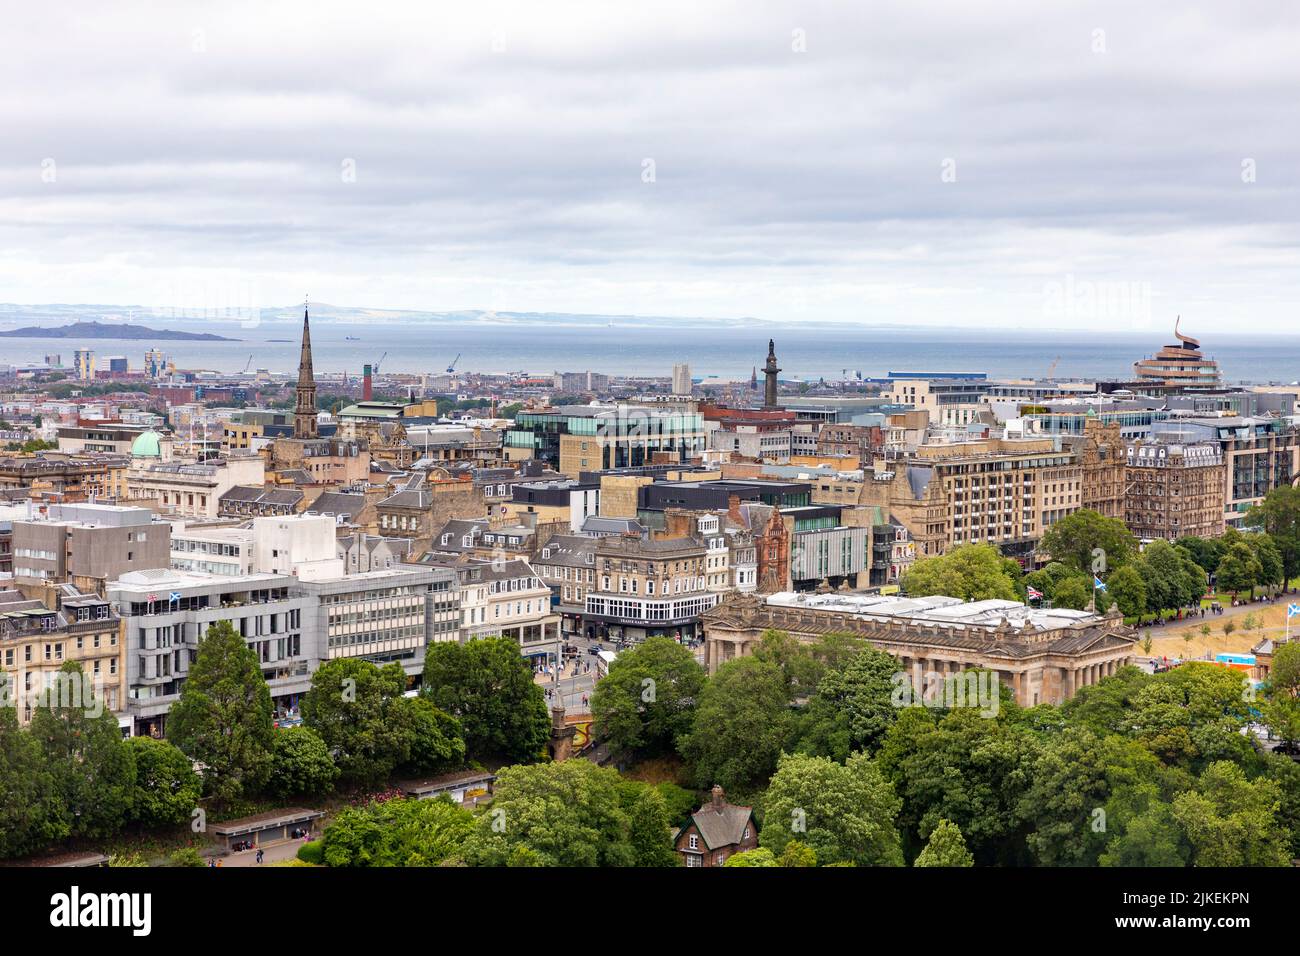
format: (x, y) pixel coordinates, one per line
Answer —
(724, 826)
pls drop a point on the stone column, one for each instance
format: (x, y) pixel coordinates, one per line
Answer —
(1015, 685)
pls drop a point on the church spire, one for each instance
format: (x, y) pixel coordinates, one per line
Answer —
(304, 410)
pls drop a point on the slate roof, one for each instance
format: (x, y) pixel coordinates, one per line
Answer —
(567, 549)
(337, 503)
(255, 494)
(723, 825)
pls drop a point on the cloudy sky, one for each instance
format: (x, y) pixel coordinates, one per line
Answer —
(952, 163)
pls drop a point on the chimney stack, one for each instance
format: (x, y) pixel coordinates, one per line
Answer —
(733, 509)
(717, 799)
(367, 386)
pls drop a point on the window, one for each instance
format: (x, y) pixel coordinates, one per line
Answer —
(695, 842)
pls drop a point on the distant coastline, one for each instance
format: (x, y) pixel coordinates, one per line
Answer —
(103, 330)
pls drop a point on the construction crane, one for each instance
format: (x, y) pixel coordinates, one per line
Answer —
(379, 363)
(248, 365)
(451, 369)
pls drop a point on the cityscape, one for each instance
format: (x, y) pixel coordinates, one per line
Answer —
(497, 442)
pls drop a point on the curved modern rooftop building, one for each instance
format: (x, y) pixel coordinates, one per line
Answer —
(1179, 364)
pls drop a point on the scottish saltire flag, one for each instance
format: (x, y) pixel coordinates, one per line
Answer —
(174, 597)
(1036, 595)
(1292, 610)
(1097, 583)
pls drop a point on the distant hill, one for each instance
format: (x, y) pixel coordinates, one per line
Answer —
(102, 330)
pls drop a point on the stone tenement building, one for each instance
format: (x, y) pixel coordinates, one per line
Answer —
(1004, 492)
(1101, 451)
(1044, 656)
(1175, 489)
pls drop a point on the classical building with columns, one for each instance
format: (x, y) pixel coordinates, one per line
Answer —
(1043, 655)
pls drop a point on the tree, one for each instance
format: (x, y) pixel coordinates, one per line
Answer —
(31, 813)
(741, 724)
(852, 707)
(647, 700)
(354, 706)
(1074, 539)
(559, 814)
(488, 686)
(1285, 671)
(759, 856)
(843, 812)
(1239, 570)
(1125, 585)
(798, 854)
(1269, 558)
(1150, 838)
(301, 765)
(1172, 578)
(1073, 592)
(964, 768)
(1281, 713)
(398, 833)
(1070, 803)
(1232, 821)
(186, 856)
(947, 847)
(223, 717)
(437, 743)
(93, 769)
(649, 832)
(1204, 551)
(1278, 515)
(972, 572)
(167, 789)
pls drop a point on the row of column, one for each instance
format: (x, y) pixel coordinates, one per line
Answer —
(1088, 675)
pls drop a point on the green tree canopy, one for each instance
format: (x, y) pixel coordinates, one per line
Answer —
(947, 847)
(1239, 569)
(301, 765)
(223, 717)
(398, 833)
(759, 856)
(843, 812)
(1232, 821)
(32, 814)
(742, 722)
(167, 789)
(93, 769)
(647, 700)
(488, 686)
(972, 572)
(1073, 540)
(1278, 515)
(356, 708)
(852, 707)
(562, 814)
(1128, 590)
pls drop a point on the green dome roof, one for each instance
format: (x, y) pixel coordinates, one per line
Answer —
(147, 446)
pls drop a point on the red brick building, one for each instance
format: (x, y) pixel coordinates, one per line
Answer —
(715, 832)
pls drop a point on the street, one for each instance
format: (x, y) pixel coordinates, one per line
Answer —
(574, 681)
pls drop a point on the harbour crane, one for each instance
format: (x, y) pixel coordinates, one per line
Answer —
(248, 365)
(379, 363)
(451, 369)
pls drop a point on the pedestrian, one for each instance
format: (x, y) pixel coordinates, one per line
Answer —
(259, 854)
